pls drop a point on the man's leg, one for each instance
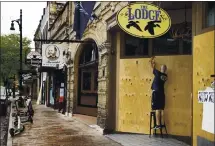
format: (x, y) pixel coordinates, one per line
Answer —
(162, 117)
(63, 107)
(162, 108)
(158, 114)
(59, 106)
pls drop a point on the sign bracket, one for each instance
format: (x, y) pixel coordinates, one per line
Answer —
(63, 41)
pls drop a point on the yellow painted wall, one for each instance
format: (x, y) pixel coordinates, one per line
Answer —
(203, 67)
(134, 103)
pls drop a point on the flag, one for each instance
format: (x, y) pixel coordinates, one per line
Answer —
(83, 11)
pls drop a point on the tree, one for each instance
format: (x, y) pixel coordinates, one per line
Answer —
(9, 55)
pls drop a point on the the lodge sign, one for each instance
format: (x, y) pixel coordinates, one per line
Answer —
(143, 20)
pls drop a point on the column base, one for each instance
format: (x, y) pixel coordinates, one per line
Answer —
(68, 114)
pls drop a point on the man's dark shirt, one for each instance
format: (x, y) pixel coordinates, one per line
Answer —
(159, 80)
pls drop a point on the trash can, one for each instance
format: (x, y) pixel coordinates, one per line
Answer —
(3, 107)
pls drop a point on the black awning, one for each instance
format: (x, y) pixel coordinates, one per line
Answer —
(28, 71)
(47, 69)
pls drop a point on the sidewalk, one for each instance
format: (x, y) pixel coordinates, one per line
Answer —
(144, 140)
(53, 129)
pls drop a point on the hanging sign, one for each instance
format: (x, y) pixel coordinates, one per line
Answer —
(34, 58)
(52, 55)
(27, 76)
(143, 20)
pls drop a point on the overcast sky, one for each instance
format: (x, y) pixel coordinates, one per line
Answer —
(31, 11)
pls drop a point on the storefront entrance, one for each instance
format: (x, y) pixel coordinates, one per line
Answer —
(88, 81)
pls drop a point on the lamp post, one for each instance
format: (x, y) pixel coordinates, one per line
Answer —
(19, 22)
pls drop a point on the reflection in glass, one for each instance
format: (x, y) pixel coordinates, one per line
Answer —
(165, 45)
(86, 81)
(96, 81)
(210, 14)
(135, 46)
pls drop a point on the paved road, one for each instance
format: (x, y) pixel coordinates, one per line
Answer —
(52, 129)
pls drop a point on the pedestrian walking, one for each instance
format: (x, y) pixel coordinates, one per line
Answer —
(60, 104)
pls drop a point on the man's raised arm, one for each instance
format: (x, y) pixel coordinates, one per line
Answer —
(152, 61)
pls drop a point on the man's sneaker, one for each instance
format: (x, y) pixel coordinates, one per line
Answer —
(157, 127)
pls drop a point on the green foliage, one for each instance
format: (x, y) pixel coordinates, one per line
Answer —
(10, 53)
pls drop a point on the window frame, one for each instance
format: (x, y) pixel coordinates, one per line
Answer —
(206, 28)
(122, 50)
(180, 49)
(150, 48)
(92, 82)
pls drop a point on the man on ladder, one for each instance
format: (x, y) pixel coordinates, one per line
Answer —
(158, 95)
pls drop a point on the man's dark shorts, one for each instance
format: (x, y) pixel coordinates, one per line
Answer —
(158, 100)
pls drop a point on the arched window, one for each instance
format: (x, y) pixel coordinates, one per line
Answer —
(88, 54)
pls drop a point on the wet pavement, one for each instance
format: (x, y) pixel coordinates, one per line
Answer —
(52, 129)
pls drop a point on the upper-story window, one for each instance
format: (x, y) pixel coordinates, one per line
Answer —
(166, 45)
(135, 46)
(88, 55)
(209, 14)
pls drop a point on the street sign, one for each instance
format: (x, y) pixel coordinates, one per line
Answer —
(34, 61)
(34, 58)
(143, 20)
(28, 74)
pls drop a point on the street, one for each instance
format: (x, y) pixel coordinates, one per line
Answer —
(52, 129)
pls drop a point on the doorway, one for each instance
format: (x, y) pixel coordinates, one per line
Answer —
(88, 81)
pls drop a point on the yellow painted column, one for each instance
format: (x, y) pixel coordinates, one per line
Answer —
(203, 68)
